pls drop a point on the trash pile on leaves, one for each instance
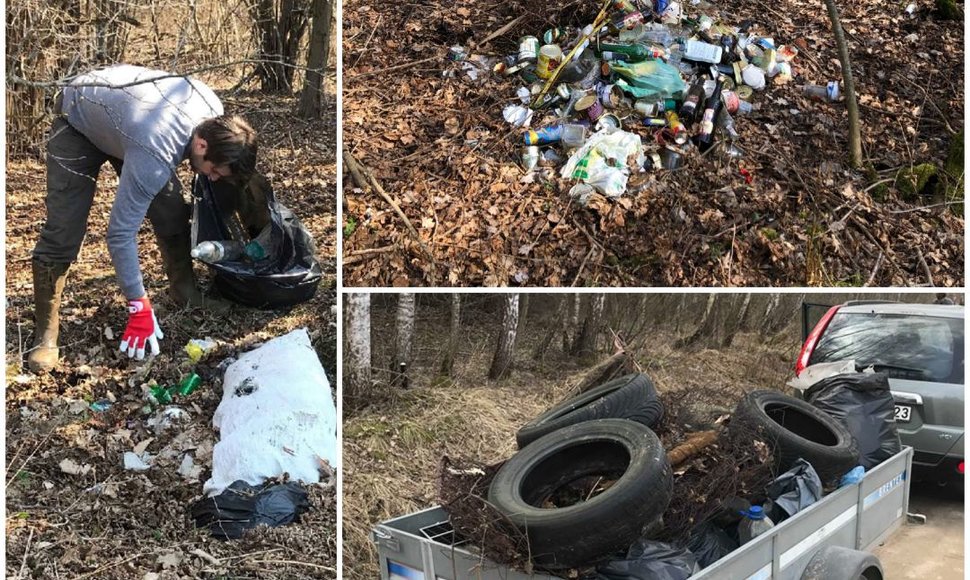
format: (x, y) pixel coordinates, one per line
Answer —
(622, 482)
(641, 88)
(277, 422)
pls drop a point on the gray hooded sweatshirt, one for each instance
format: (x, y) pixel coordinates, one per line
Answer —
(149, 126)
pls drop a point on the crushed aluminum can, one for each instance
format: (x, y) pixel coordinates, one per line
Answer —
(609, 122)
(457, 53)
(672, 157)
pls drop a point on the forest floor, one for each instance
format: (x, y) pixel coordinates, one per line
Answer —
(104, 521)
(436, 141)
(392, 447)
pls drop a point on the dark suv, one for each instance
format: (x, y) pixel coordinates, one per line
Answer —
(920, 346)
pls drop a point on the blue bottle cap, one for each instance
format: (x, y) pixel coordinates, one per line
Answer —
(756, 512)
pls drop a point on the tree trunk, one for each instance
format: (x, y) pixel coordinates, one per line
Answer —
(502, 361)
(542, 347)
(585, 344)
(448, 363)
(403, 339)
(570, 319)
(279, 32)
(358, 365)
(523, 309)
(855, 139)
(734, 322)
(311, 98)
(706, 327)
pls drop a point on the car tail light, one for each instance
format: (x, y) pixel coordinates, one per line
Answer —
(960, 468)
(812, 341)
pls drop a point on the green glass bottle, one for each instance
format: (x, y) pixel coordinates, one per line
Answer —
(628, 52)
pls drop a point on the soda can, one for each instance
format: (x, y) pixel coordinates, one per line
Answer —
(528, 48)
(530, 157)
(677, 128)
(544, 136)
(457, 53)
(646, 108)
(550, 56)
(590, 104)
(671, 157)
(563, 91)
(610, 95)
(655, 122)
(610, 122)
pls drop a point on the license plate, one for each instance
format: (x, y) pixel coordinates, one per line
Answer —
(903, 413)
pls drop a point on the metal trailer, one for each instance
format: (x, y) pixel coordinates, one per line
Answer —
(423, 546)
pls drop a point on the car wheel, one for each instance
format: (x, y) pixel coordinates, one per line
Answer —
(796, 429)
(838, 563)
(625, 456)
(630, 397)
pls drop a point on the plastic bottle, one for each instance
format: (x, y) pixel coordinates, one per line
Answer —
(220, 251)
(754, 524)
(702, 52)
(726, 123)
(734, 104)
(659, 35)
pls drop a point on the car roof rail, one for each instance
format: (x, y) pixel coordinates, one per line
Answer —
(864, 302)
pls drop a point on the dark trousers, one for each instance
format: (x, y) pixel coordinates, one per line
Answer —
(73, 165)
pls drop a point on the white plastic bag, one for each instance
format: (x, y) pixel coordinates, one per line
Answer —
(277, 416)
(591, 163)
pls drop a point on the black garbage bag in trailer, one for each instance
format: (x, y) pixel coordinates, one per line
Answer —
(287, 275)
(863, 403)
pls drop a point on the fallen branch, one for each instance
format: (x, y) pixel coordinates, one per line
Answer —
(391, 68)
(361, 255)
(617, 365)
(365, 180)
(926, 268)
(875, 270)
(502, 30)
(694, 444)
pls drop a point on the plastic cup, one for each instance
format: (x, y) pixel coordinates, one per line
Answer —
(573, 135)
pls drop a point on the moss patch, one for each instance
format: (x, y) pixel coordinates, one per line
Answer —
(912, 181)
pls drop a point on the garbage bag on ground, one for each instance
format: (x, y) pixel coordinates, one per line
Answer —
(242, 506)
(277, 416)
(863, 403)
(710, 543)
(650, 79)
(649, 560)
(287, 274)
(793, 491)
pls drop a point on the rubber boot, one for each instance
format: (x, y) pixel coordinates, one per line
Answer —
(181, 278)
(49, 281)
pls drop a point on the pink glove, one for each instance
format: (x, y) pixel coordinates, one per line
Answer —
(142, 328)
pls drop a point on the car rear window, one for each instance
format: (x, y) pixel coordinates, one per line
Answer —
(920, 348)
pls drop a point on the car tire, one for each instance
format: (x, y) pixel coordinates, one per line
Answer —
(632, 397)
(796, 429)
(838, 563)
(563, 537)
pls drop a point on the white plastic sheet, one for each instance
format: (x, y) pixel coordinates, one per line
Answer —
(277, 416)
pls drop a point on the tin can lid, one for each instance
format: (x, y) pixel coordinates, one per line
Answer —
(744, 91)
(585, 102)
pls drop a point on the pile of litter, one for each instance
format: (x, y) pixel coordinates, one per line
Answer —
(640, 88)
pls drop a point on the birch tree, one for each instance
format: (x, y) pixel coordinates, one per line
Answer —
(403, 338)
(502, 361)
(448, 362)
(358, 365)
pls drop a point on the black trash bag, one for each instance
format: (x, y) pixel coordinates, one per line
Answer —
(241, 507)
(710, 543)
(862, 402)
(792, 491)
(729, 512)
(287, 276)
(649, 560)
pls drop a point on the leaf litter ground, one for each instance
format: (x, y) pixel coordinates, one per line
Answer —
(440, 147)
(102, 521)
